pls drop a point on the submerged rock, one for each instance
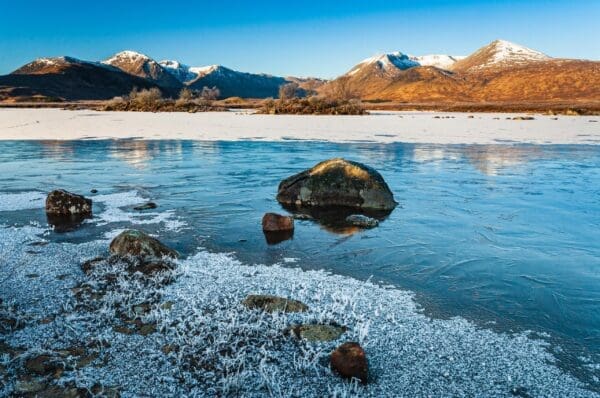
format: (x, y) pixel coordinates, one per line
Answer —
(337, 182)
(273, 303)
(350, 361)
(314, 332)
(146, 206)
(61, 202)
(139, 244)
(273, 222)
(362, 221)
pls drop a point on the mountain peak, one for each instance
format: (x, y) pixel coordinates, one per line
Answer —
(127, 56)
(141, 65)
(500, 53)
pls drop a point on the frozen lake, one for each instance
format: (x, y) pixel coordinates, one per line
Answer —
(504, 236)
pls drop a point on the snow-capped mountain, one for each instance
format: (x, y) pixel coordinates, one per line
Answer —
(499, 54)
(392, 62)
(68, 78)
(141, 65)
(53, 65)
(180, 71)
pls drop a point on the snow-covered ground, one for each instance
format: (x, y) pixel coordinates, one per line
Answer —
(219, 348)
(383, 127)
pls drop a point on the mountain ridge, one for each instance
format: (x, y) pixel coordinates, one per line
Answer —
(498, 71)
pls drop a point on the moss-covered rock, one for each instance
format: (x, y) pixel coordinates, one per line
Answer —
(316, 332)
(273, 303)
(139, 244)
(337, 182)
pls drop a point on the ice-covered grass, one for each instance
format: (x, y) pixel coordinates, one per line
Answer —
(117, 209)
(22, 200)
(207, 344)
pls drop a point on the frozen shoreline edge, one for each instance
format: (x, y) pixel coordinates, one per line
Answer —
(382, 127)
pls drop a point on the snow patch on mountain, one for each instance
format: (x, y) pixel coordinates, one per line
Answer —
(441, 61)
(398, 60)
(505, 51)
(180, 71)
(125, 57)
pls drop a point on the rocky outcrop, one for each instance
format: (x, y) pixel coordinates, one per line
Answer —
(62, 203)
(337, 182)
(139, 244)
(269, 303)
(350, 361)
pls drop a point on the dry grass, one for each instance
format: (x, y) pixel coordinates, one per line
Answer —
(312, 106)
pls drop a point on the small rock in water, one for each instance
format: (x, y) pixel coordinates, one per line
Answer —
(273, 222)
(362, 221)
(350, 361)
(94, 190)
(146, 206)
(273, 303)
(61, 202)
(138, 244)
(318, 332)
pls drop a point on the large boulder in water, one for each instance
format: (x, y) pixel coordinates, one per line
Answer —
(337, 182)
(139, 244)
(62, 203)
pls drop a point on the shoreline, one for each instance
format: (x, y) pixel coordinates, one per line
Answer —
(419, 127)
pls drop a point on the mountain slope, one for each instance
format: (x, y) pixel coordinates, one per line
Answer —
(181, 72)
(66, 78)
(143, 66)
(236, 84)
(499, 54)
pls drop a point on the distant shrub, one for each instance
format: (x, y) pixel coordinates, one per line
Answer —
(210, 94)
(146, 97)
(312, 106)
(151, 101)
(290, 90)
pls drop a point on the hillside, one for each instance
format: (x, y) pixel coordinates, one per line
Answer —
(498, 72)
(67, 78)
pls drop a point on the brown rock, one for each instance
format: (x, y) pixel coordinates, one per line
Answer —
(350, 361)
(61, 202)
(43, 365)
(273, 222)
(138, 244)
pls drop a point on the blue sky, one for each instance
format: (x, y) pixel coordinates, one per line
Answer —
(303, 38)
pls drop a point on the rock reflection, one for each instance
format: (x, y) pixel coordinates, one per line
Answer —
(66, 223)
(333, 219)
